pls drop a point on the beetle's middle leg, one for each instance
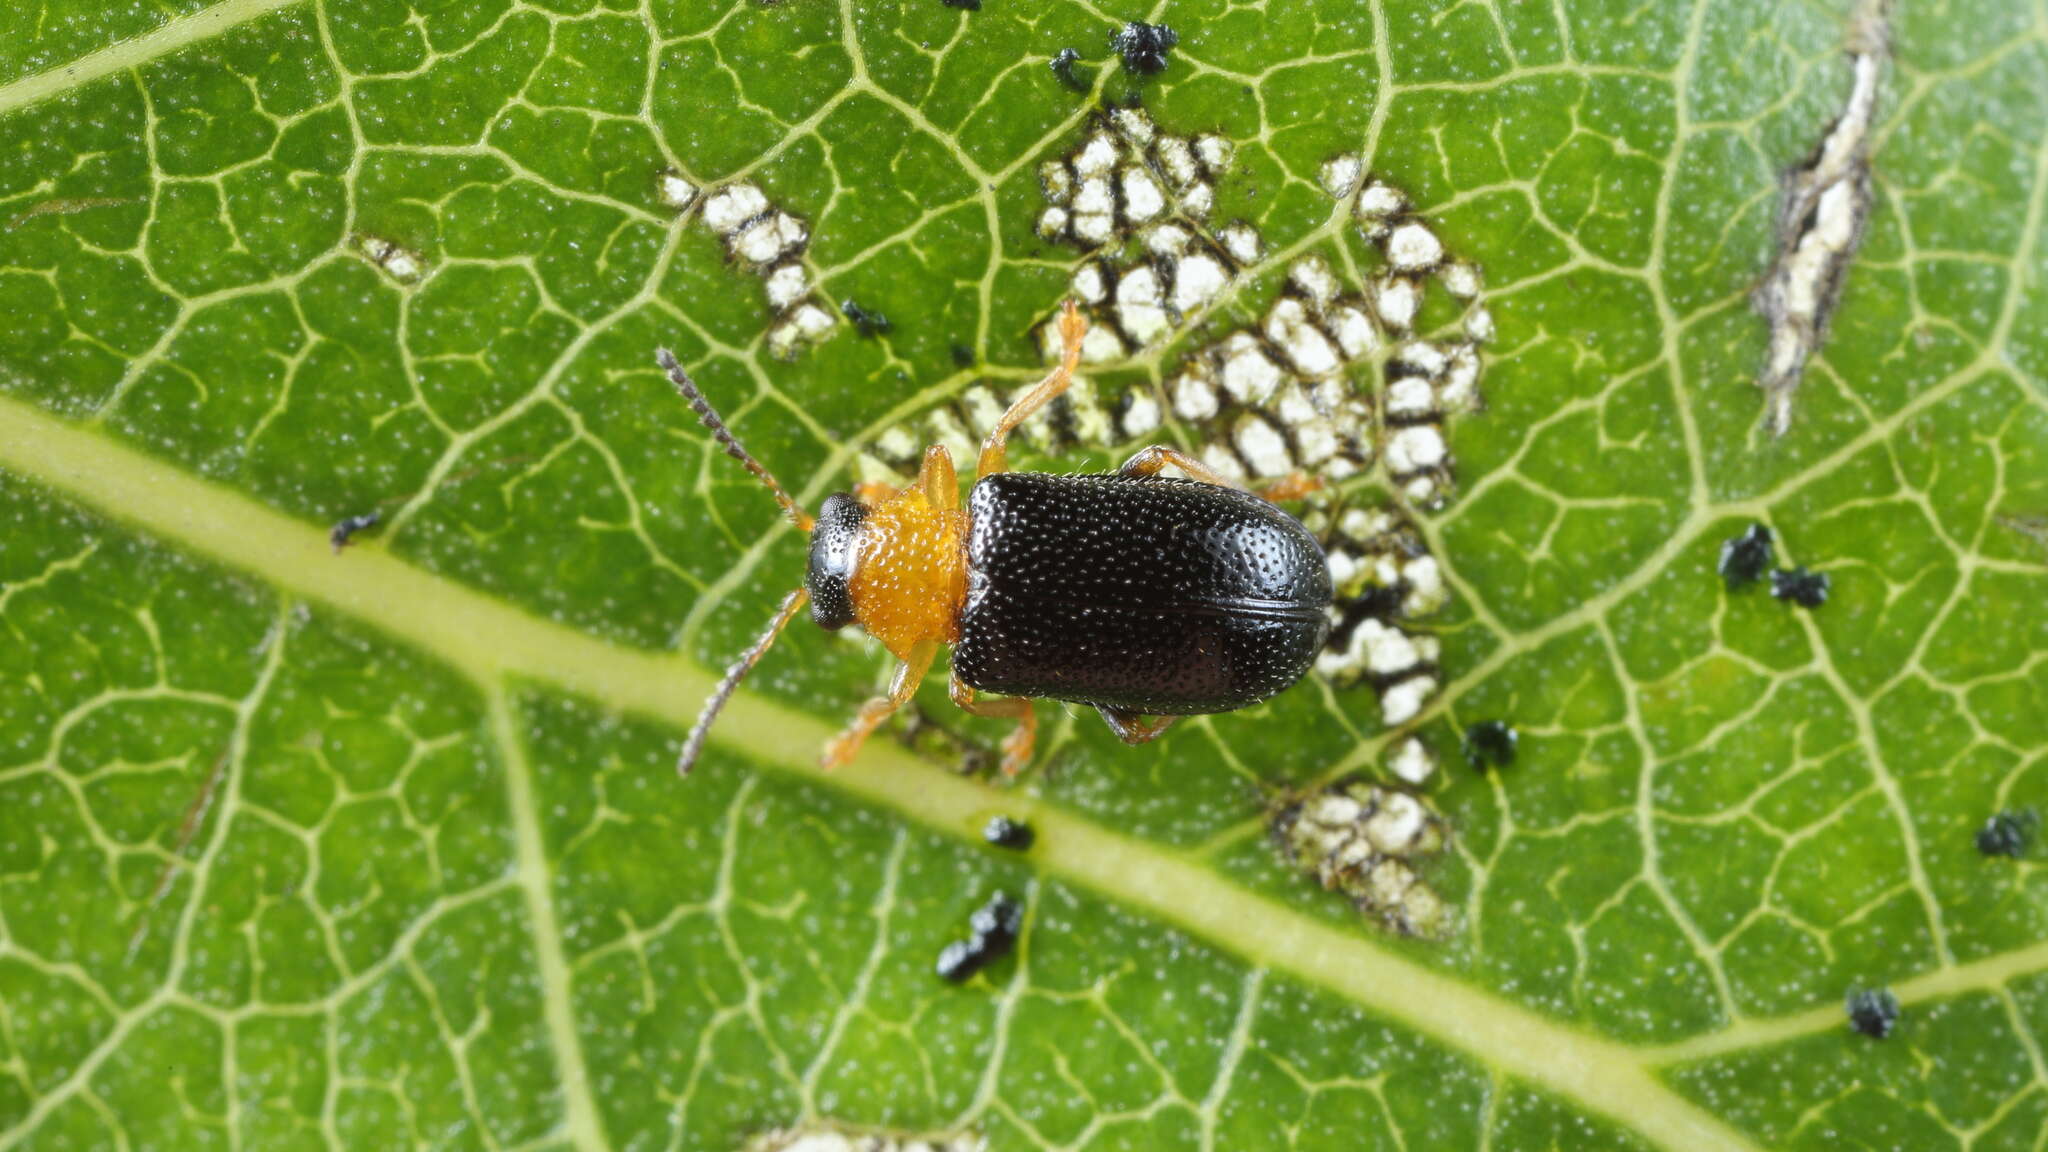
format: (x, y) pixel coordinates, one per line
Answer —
(1149, 461)
(995, 449)
(844, 746)
(1017, 745)
(1132, 728)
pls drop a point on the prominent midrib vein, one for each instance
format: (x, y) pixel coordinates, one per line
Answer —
(133, 53)
(491, 641)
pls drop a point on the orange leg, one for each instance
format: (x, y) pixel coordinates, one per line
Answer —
(994, 450)
(1132, 728)
(873, 492)
(1017, 745)
(1149, 461)
(1293, 486)
(844, 746)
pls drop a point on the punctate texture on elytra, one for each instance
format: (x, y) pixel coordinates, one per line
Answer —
(306, 849)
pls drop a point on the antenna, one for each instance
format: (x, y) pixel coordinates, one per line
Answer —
(726, 439)
(693, 744)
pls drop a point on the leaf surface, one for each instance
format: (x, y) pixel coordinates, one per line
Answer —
(382, 848)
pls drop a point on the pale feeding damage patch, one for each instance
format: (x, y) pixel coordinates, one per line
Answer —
(1382, 574)
(1368, 842)
(764, 240)
(1129, 180)
(392, 258)
(1827, 202)
(834, 1140)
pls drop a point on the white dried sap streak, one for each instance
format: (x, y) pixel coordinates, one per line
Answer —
(1827, 201)
(767, 241)
(1367, 842)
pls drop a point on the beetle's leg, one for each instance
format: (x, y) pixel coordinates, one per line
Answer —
(1293, 486)
(1017, 745)
(1133, 728)
(843, 746)
(1149, 461)
(994, 450)
(872, 492)
(935, 478)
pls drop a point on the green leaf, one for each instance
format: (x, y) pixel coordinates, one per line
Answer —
(383, 848)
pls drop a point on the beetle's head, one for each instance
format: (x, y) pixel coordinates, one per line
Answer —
(832, 555)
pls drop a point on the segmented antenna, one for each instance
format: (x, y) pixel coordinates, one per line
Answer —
(726, 439)
(693, 744)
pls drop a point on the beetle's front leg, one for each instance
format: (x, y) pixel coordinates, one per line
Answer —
(1017, 745)
(1133, 728)
(844, 746)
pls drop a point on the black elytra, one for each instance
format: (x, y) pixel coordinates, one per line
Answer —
(1150, 594)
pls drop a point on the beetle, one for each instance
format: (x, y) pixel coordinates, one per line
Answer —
(1143, 596)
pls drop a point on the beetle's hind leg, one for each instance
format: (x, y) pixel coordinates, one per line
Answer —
(1149, 461)
(1017, 745)
(1132, 727)
(844, 746)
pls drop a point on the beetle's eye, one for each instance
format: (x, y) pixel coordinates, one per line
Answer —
(831, 571)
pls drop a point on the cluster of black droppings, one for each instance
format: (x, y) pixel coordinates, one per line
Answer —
(1004, 832)
(345, 530)
(994, 928)
(1490, 744)
(963, 5)
(2008, 833)
(1799, 586)
(1745, 558)
(1062, 65)
(869, 323)
(1873, 1011)
(1144, 47)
